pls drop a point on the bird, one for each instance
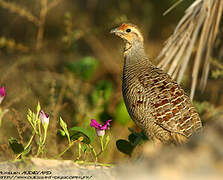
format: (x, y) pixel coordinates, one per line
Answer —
(155, 102)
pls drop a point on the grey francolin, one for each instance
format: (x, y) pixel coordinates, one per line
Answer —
(155, 102)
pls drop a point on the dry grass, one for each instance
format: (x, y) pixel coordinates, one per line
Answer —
(39, 22)
(198, 30)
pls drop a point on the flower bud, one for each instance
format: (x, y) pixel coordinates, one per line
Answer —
(2, 93)
(44, 118)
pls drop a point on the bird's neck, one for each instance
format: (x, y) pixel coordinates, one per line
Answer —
(134, 55)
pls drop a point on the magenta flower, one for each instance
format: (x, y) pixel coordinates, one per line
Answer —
(2, 93)
(44, 117)
(100, 129)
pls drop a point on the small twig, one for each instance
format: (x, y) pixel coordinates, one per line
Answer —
(43, 13)
(20, 11)
(53, 4)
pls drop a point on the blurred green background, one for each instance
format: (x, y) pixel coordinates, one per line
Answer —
(61, 54)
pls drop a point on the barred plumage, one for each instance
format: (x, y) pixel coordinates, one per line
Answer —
(155, 102)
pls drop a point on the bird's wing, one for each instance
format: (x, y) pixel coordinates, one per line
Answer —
(171, 107)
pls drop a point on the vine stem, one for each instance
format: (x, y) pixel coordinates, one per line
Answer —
(28, 144)
(102, 143)
(69, 146)
(94, 152)
(102, 146)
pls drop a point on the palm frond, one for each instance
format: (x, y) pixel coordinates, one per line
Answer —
(198, 30)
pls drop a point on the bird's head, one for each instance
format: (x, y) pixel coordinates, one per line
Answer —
(129, 33)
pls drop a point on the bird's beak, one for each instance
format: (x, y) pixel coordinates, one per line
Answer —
(113, 31)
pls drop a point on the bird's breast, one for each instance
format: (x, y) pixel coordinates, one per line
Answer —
(136, 101)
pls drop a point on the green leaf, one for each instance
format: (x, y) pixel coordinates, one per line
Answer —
(133, 139)
(38, 108)
(30, 113)
(143, 136)
(89, 134)
(124, 146)
(30, 116)
(34, 119)
(121, 114)
(76, 135)
(15, 145)
(64, 127)
(84, 68)
(133, 131)
(61, 132)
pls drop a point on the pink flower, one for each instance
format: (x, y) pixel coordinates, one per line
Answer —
(2, 93)
(44, 117)
(100, 129)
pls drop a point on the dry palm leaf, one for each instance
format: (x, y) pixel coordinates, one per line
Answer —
(198, 27)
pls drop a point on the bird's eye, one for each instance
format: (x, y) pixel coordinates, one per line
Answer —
(128, 30)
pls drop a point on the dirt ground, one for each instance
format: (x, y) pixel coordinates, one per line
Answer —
(201, 158)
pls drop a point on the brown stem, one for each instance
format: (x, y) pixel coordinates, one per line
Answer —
(42, 20)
